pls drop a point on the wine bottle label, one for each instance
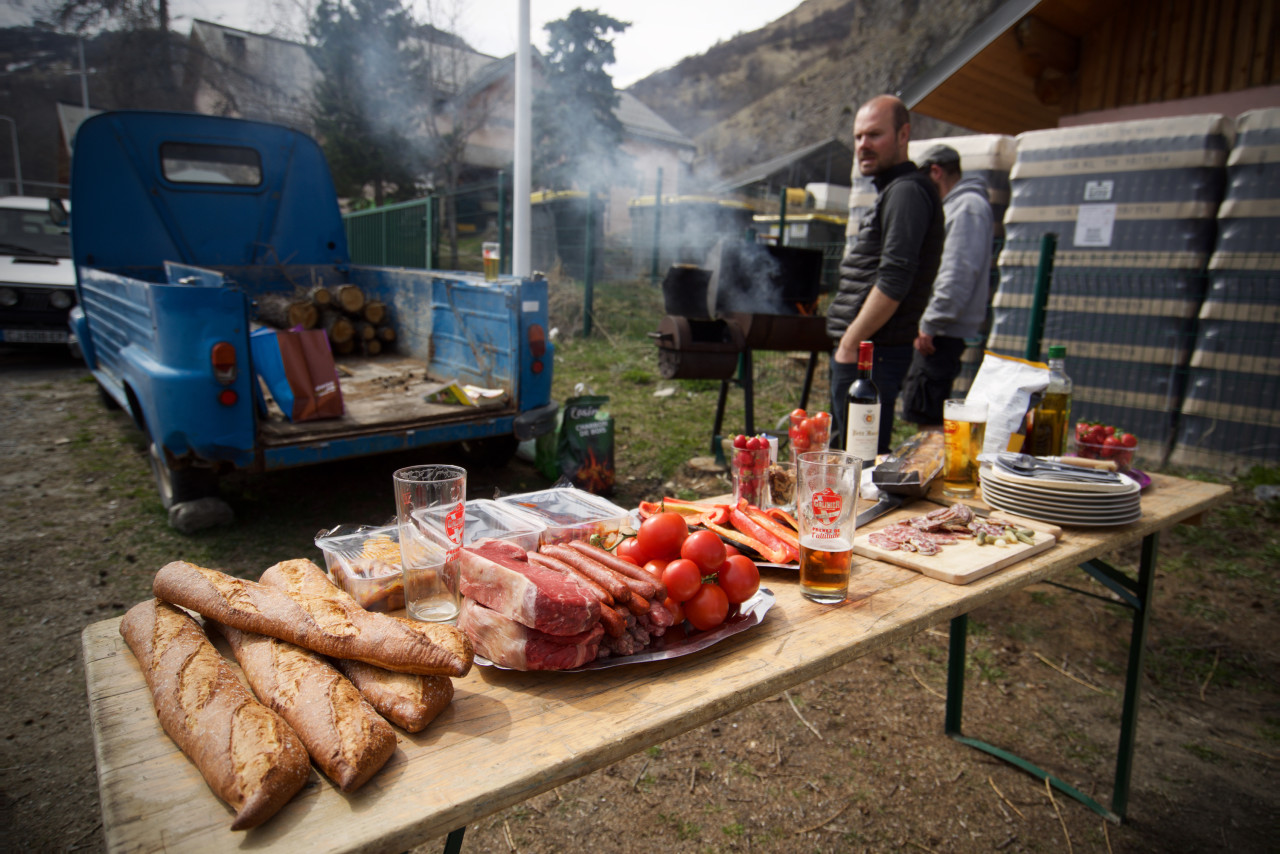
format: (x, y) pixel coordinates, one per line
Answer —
(862, 433)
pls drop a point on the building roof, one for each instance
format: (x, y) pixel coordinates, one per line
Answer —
(640, 121)
(820, 162)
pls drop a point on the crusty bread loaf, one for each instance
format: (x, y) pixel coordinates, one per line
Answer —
(247, 754)
(329, 626)
(408, 701)
(344, 735)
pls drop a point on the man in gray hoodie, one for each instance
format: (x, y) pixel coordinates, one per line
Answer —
(958, 304)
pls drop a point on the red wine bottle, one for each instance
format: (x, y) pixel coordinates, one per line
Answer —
(862, 430)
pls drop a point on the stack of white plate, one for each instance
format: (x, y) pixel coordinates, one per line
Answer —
(1062, 502)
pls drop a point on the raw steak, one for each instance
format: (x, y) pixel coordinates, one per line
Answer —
(498, 575)
(510, 644)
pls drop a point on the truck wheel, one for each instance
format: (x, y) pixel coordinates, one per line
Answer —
(491, 452)
(181, 485)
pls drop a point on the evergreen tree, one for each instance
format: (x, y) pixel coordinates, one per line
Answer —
(576, 134)
(367, 103)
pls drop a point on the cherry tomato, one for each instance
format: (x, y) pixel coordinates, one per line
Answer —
(660, 535)
(705, 549)
(798, 415)
(654, 567)
(682, 578)
(708, 607)
(739, 441)
(676, 609)
(730, 551)
(629, 549)
(739, 578)
(757, 443)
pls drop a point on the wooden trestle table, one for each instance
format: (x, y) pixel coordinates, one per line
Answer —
(508, 736)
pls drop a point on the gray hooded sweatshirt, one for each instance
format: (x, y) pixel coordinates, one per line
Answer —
(959, 301)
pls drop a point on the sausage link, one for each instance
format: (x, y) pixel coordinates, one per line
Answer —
(619, 565)
(592, 588)
(659, 614)
(595, 571)
(614, 624)
(637, 604)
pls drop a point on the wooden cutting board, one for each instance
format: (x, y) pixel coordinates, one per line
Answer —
(960, 562)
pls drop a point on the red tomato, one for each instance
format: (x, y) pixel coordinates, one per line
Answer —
(676, 609)
(757, 443)
(705, 549)
(629, 549)
(660, 536)
(798, 415)
(730, 551)
(739, 578)
(682, 578)
(708, 607)
(739, 441)
(655, 566)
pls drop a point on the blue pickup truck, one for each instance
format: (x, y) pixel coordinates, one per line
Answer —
(185, 224)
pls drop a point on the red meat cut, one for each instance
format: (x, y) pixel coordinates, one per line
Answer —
(498, 575)
(507, 643)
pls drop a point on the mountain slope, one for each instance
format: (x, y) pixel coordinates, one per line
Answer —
(800, 79)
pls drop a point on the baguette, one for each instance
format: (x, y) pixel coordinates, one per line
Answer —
(408, 701)
(334, 627)
(344, 735)
(246, 753)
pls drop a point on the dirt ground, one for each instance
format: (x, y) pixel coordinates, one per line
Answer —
(853, 761)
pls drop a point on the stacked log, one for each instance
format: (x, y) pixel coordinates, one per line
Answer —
(352, 322)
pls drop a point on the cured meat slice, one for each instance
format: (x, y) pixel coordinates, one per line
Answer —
(880, 541)
(498, 575)
(510, 644)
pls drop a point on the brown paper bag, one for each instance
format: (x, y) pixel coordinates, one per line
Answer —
(312, 374)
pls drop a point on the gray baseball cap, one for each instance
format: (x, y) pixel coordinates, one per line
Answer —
(940, 154)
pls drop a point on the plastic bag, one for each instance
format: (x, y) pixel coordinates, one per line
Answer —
(1010, 387)
(585, 447)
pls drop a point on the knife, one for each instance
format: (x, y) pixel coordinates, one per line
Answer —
(888, 501)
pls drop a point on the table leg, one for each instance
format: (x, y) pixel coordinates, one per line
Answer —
(453, 843)
(1135, 595)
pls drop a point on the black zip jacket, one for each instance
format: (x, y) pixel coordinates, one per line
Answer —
(898, 248)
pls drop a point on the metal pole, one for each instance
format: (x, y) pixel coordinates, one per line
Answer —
(1044, 278)
(588, 297)
(84, 78)
(657, 225)
(17, 161)
(504, 248)
(782, 217)
(521, 231)
(429, 257)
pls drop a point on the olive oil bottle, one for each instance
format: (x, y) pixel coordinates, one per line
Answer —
(1050, 419)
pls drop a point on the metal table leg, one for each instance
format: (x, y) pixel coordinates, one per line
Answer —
(1137, 595)
(453, 842)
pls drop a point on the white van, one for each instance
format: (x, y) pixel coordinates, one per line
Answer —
(37, 278)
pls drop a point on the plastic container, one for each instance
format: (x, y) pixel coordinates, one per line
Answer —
(487, 519)
(1121, 455)
(570, 514)
(365, 562)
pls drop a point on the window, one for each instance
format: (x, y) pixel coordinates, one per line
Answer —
(235, 45)
(193, 163)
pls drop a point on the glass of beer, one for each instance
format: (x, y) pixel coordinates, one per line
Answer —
(827, 509)
(492, 253)
(965, 425)
(430, 510)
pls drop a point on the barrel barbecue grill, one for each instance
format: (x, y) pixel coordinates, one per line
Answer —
(751, 297)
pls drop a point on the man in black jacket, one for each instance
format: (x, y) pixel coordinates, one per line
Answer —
(886, 277)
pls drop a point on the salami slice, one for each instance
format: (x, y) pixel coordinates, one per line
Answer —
(924, 545)
(880, 541)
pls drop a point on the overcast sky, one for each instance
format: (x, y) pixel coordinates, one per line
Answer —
(662, 32)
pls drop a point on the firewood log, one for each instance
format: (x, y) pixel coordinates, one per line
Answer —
(348, 297)
(375, 311)
(285, 311)
(339, 327)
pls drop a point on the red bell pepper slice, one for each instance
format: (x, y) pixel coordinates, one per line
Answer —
(691, 510)
(766, 552)
(649, 508)
(718, 516)
(784, 517)
(778, 550)
(767, 522)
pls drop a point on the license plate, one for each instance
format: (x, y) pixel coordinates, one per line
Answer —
(34, 336)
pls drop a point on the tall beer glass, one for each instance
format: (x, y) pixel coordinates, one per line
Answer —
(827, 509)
(965, 425)
(431, 510)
